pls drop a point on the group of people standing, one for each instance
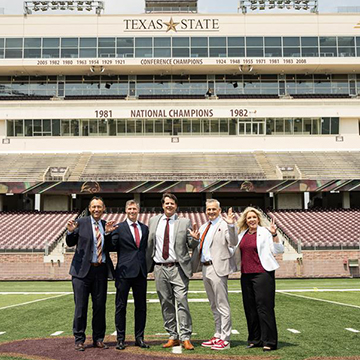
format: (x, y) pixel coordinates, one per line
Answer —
(174, 249)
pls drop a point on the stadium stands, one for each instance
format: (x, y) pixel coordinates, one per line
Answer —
(257, 165)
(321, 229)
(31, 167)
(31, 231)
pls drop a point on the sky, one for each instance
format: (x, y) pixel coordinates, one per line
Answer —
(11, 7)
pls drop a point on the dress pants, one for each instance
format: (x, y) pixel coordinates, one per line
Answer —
(258, 292)
(217, 293)
(172, 284)
(94, 283)
(138, 286)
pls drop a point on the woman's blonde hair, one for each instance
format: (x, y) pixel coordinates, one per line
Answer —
(242, 225)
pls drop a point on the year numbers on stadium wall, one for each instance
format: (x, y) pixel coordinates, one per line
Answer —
(103, 114)
(239, 112)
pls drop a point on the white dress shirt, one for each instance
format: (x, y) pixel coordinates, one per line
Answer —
(205, 254)
(132, 229)
(160, 240)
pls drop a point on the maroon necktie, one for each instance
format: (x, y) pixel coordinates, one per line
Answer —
(165, 252)
(204, 236)
(137, 234)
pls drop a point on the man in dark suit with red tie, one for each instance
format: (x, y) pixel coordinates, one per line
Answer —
(129, 239)
(90, 268)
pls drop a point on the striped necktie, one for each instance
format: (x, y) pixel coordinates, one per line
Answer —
(98, 243)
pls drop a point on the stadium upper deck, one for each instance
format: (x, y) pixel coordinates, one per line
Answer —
(258, 76)
(182, 82)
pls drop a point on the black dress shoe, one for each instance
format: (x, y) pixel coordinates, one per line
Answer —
(79, 347)
(120, 345)
(140, 342)
(100, 345)
(253, 346)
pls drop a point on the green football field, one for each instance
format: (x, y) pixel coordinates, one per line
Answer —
(316, 318)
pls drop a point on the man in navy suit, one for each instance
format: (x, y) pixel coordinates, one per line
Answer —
(129, 239)
(90, 268)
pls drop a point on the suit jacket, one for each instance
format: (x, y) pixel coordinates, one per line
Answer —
(222, 249)
(131, 259)
(266, 248)
(183, 242)
(83, 238)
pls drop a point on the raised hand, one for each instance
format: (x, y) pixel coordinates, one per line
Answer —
(230, 216)
(110, 226)
(71, 225)
(272, 228)
(194, 232)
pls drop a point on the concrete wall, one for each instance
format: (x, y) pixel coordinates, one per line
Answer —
(55, 203)
(289, 201)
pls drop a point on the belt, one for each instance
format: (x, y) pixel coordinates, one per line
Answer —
(207, 263)
(169, 264)
(97, 264)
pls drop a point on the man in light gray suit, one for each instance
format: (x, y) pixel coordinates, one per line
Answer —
(170, 239)
(215, 257)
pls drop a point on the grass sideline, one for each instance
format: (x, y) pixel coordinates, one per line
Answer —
(322, 325)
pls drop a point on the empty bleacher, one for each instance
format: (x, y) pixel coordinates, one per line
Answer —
(319, 165)
(31, 167)
(31, 231)
(321, 229)
(257, 165)
(313, 229)
(202, 166)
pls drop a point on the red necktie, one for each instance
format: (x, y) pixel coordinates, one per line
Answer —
(203, 237)
(165, 252)
(98, 243)
(137, 234)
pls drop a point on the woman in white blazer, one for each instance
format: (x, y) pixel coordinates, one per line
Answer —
(258, 245)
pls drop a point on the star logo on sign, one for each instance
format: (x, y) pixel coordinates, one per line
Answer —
(171, 25)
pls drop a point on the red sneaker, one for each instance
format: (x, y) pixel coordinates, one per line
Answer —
(221, 345)
(210, 342)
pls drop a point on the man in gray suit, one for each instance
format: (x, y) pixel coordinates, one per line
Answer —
(170, 239)
(215, 257)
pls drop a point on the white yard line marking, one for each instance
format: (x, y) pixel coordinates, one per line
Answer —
(154, 292)
(294, 331)
(235, 332)
(166, 334)
(31, 302)
(177, 350)
(322, 300)
(352, 330)
(2, 332)
(56, 333)
(36, 293)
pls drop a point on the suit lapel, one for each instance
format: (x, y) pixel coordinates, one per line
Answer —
(215, 232)
(143, 229)
(129, 236)
(176, 227)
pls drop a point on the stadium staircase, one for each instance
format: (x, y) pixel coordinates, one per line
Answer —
(292, 251)
(80, 166)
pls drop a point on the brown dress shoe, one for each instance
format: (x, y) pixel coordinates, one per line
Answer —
(100, 345)
(171, 343)
(79, 347)
(188, 345)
